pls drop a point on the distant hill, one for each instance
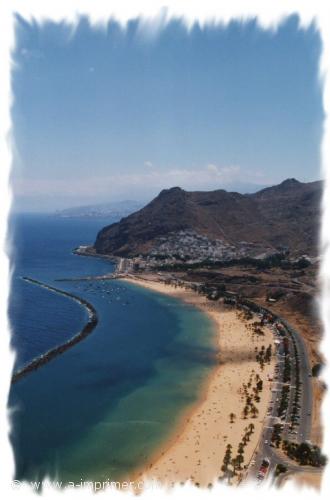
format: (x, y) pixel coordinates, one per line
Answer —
(286, 215)
(115, 209)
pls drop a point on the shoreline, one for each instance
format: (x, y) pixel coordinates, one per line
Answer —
(56, 351)
(195, 450)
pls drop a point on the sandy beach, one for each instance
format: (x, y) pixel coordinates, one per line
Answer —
(197, 449)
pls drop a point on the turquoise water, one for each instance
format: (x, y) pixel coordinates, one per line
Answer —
(102, 408)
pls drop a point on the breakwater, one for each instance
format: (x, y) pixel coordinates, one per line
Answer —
(56, 351)
(105, 277)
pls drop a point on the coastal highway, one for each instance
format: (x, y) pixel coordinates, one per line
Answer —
(264, 450)
(306, 400)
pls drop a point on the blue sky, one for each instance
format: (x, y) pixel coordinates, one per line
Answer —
(110, 114)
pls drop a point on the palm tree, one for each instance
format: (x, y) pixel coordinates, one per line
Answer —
(240, 448)
(254, 411)
(226, 461)
(240, 459)
(232, 417)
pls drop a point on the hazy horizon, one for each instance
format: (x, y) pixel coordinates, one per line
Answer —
(104, 115)
(15, 208)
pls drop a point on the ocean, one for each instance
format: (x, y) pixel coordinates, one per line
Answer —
(101, 409)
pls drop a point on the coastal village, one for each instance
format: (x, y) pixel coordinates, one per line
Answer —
(192, 247)
(188, 249)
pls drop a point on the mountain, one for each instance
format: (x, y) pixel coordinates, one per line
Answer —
(114, 209)
(287, 215)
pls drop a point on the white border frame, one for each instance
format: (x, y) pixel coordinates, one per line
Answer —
(269, 14)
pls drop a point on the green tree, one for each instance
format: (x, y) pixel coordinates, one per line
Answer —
(240, 459)
(259, 385)
(240, 448)
(254, 411)
(251, 428)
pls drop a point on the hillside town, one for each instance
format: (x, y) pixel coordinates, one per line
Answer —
(187, 250)
(193, 247)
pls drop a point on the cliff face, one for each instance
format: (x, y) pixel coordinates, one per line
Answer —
(284, 215)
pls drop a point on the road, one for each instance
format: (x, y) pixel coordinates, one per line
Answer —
(306, 384)
(264, 450)
(123, 266)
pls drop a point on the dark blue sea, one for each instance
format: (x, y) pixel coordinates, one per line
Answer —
(102, 408)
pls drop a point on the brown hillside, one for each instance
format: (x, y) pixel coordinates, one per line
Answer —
(283, 215)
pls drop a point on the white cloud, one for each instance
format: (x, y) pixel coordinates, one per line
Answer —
(48, 195)
(147, 181)
(148, 164)
(212, 168)
(224, 174)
